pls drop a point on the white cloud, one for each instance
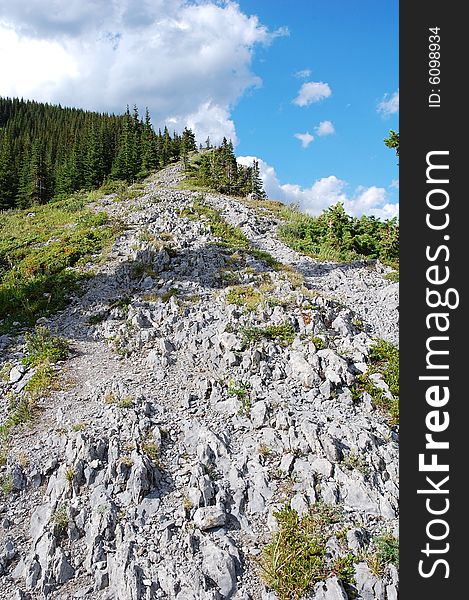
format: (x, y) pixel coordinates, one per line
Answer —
(305, 138)
(324, 193)
(325, 128)
(312, 91)
(303, 74)
(187, 61)
(395, 184)
(389, 105)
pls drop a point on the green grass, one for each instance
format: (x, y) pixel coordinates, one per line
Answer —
(6, 484)
(121, 303)
(386, 553)
(77, 427)
(392, 276)
(295, 559)
(60, 518)
(318, 342)
(150, 448)
(245, 295)
(126, 402)
(42, 253)
(354, 461)
(344, 569)
(384, 359)
(70, 474)
(20, 411)
(274, 207)
(266, 258)
(172, 292)
(283, 334)
(42, 346)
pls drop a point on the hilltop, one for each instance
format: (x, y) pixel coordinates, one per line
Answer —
(206, 412)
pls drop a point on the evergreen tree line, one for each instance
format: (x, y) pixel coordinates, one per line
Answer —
(47, 151)
(217, 169)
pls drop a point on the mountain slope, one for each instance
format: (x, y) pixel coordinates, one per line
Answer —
(213, 376)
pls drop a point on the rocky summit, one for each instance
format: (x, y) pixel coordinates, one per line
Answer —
(207, 387)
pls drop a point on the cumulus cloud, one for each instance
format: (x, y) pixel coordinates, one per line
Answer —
(303, 73)
(305, 139)
(312, 91)
(189, 62)
(389, 105)
(325, 128)
(324, 193)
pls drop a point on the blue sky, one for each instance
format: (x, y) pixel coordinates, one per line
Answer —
(352, 46)
(228, 68)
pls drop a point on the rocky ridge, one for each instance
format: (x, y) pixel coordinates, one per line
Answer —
(187, 417)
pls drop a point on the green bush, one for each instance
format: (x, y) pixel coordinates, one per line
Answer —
(386, 553)
(43, 347)
(336, 236)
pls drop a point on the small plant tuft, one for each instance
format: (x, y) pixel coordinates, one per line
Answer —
(126, 402)
(319, 343)
(150, 448)
(60, 518)
(42, 347)
(386, 552)
(245, 295)
(6, 484)
(78, 427)
(70, 474)
(296, 558)
(42, 382)
(283, 334)
(354, 461)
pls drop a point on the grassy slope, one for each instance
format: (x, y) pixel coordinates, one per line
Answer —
(42, 253)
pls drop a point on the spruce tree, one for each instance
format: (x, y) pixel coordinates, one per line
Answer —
(257, 186)
(123, 163)
(35, 182)
(149, 146)
(8, 177)
(231, 168)
(93, 166)
(166, 150)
